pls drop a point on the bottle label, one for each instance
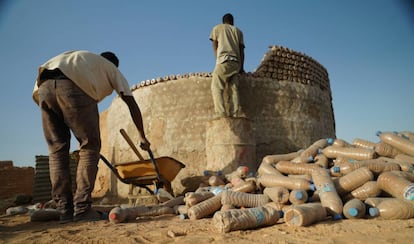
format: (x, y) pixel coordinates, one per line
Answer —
(409, 192)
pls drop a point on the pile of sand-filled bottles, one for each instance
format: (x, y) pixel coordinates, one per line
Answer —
(331, 179)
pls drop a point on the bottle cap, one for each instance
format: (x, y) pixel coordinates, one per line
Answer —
(373, 212)
(337, 217)
(378, 133)
(312, 187)
(217, 190)
(330, 141)
(299, 195)
(353, 212)
(336, 169)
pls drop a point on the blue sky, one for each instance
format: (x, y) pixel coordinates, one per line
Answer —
(366, 46)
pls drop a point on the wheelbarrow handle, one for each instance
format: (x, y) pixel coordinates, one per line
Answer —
(131, 144)
(151, 155)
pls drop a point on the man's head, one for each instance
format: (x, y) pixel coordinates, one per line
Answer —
(228, 19)
(111, 57)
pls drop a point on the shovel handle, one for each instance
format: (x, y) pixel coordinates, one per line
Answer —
(131, 144)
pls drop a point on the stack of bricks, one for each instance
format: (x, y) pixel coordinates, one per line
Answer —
(282, 63)
(15, 180)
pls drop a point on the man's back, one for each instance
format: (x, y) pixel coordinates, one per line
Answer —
(229, 39)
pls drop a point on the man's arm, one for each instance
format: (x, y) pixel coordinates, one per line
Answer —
(241, 46)
(137, 118)
(215, 46)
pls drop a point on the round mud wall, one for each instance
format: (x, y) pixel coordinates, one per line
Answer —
(287, 100)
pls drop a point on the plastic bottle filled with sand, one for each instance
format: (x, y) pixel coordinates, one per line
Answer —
(243, 219)
(327, 193)
(396, 185)
(305, 214)
(393, 208)
(354, 209)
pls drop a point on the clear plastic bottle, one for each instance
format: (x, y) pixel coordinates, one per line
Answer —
(348, 152)
(313, 149)
(393, 208)
(321, 160)
(407, 134)
(404, 158)
(367, 190)
(243, 219)
(174, 202)
(267, 169)
(192, 198)
(215, 181)
(304, 214)
(327, 193)
(372, 202)
(272, 159)
(402, 144)
(163, 195)
(120, 215)
(277, 194)
(287, 167)
(354, 209)
(298, 197)
(270, 180)
(357, 142)
(340, 143)
(245, 186)
(385, 150)
(205, 208)
(396, 185)
(352, 180)
(241, 199)
(407, 175)
(377, 166)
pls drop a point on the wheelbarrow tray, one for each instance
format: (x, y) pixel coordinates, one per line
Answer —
(168, 168)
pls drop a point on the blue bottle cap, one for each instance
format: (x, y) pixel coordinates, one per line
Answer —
(378, 133)
(330, 141)
(337, 217)
(373, 212)
(312, 187)
(217, 190)
(281, 214)
(353, 212)
(336, 169)
(299, 195)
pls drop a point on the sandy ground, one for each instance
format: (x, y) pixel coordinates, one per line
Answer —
(172, 229)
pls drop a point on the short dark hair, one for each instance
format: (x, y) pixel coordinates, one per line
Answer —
(228, 19)
(111, 57)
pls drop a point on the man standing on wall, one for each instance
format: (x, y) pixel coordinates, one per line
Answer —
(68, 88)
(228, 46)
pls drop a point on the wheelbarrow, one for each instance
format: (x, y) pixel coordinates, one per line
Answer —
(146, 172)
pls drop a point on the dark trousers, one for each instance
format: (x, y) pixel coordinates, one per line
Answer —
(65, 108)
